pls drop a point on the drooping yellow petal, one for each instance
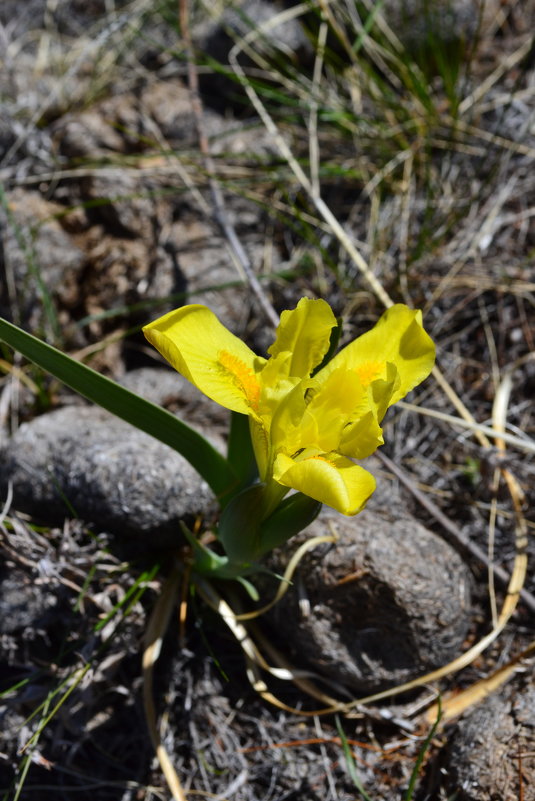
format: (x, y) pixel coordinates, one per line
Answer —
(305, 333)
(398, 338)
(197, 345)
(328, 478)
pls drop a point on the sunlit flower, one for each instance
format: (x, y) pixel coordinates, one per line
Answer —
(307, 425)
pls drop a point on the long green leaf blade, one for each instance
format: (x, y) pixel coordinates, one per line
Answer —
(142, 414)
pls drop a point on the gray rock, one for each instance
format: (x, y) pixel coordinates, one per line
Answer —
(423, 23)
(126, 203)
(204, 262)
(37, 258)
(84, 461)
(286, 40)
(387, 602)
(22, 603)
(89, 134)
(482, 762)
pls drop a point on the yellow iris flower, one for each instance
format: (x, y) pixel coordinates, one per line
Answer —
(306, 426)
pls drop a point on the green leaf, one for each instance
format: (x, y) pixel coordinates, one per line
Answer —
(238, 528)
(422, 752)
(240, 449)
(291, 516)
(141, 413)
(243, 534)
(208, 563)
(350, 761)
(205, 561)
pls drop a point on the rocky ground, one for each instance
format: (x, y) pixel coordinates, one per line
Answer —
(107, 221)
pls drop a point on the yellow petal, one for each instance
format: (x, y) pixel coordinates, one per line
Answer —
(382, 390)
(197, 345)
(398, 338)
(305, 333)
(338, 401)
(362, 438)
(328, 478)
(286, 424)
(260, 440)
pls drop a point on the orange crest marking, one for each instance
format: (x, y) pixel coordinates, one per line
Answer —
(244, 378)
(320, 459)
(369, 371)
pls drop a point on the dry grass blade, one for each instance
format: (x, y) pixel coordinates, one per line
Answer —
(526, 444)
(457, 703)
(256, 660)
(153, 643)
(286, 579)
(506, 64)
(296, 168)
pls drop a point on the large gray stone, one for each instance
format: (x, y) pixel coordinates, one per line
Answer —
(387, 602)
(81, 460)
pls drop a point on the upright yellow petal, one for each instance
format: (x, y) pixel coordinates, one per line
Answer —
(328, 478)
(382, 390)
(305, 333)
(362, 438)
(286, 429)
(337, 402)
(197, 345)
(398, 338)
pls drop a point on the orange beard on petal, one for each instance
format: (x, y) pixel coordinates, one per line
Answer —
(369, 371)
(243, 377)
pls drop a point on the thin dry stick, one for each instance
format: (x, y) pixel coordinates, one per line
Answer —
(505, 65)
(526, 444)
(499, 418)
(495, 486)
(217, 196)
(7, 504)
(404, 227)
(314, 152)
